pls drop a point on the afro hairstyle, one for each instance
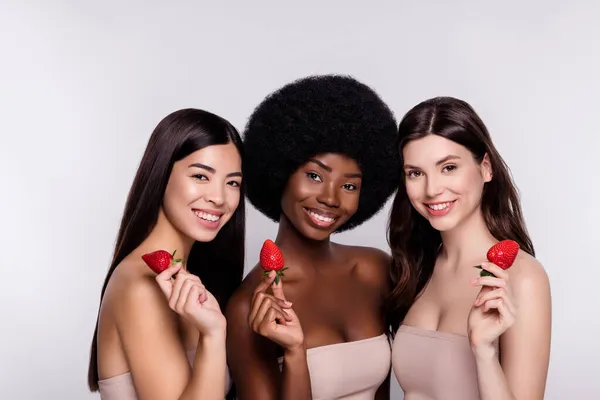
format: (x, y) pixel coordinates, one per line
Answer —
(316, 115)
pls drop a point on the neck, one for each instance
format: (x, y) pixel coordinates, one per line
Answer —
(296, 245)
(165, 236)
(467, 241)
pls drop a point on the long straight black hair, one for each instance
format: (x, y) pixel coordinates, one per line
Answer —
(178, 135)
(414, 242)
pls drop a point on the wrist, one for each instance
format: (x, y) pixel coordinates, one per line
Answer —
(485, 353)
(216, 335)
(296, 351)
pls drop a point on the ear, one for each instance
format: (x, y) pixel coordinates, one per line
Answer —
(486, 168)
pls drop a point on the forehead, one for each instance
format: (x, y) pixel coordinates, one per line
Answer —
(222, 157)
(337, 161)
(430, 149)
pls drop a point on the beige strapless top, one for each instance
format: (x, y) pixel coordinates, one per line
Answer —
(121, 387)
(349, 370)
(431, 365)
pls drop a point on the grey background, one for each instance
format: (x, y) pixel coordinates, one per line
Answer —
(82, 85)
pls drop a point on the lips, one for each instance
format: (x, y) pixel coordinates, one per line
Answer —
(208, 215)
(439, 206)
(439, 209)
(321, 218)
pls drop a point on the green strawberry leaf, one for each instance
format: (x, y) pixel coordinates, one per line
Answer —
(486, 273)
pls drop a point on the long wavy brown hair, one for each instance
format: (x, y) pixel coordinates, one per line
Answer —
(415, 244)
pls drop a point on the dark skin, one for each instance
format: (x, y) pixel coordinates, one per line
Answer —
(337, 291)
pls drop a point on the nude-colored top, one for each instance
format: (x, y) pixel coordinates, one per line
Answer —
(121, 387)
(349, 370)
(431, 365)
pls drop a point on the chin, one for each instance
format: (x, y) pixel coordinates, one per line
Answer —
(201, 236)
(442, 226)
(314, 233)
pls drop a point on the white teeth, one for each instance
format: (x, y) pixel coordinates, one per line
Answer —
(320, 217)
(206, 216)
(439, 207)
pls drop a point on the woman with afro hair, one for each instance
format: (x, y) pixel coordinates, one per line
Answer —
(321, 158)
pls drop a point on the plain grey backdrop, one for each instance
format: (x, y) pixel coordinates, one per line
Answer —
(83, 83)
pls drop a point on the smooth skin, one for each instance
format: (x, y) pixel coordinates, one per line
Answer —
(148, 323)
(507, 318)
(336, 292)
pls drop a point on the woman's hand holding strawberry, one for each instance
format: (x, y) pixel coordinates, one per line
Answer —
(272, 316)
(494, 310)
(189, 298)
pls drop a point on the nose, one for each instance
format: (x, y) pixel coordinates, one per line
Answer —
(329, 195)
(216, 195)
(434, 186)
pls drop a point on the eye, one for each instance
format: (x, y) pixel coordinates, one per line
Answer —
(314, 177)
(413, 174)
(234, 183)
(449, 168)
(200, 177)
(350, 186)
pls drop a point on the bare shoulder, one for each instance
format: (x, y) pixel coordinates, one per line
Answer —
(132, 296)
(528, 275)
(373, 265)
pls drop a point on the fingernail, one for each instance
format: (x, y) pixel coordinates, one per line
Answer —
(288, 303)
(271, 274)
(474, 281)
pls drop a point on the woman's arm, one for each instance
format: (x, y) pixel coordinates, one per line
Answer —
(210, 366)
(156, 355)
(296, 377)
(253, 358)
(521, 371)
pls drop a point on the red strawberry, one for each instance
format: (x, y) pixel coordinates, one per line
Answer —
(271, 259)
(160, 260)
(502, 254)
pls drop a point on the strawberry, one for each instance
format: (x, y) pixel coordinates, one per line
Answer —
(271, 259)
(502, 254)
(160, 260)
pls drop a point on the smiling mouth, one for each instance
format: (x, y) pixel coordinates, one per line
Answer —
(322, 219)
(208, 216)
(440, 206)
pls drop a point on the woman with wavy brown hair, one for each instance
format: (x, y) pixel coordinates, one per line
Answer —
(462, 335)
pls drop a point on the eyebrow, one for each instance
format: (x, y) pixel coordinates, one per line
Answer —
(212, 170)
(329, 169)
(439, 162)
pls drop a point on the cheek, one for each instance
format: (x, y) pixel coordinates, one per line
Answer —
(301, 188)
(296, 190)
(468, 184)
(172, 194)
(233, 200)
(182, 192)
(352, 202)
(414, 191)
(287, 197)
